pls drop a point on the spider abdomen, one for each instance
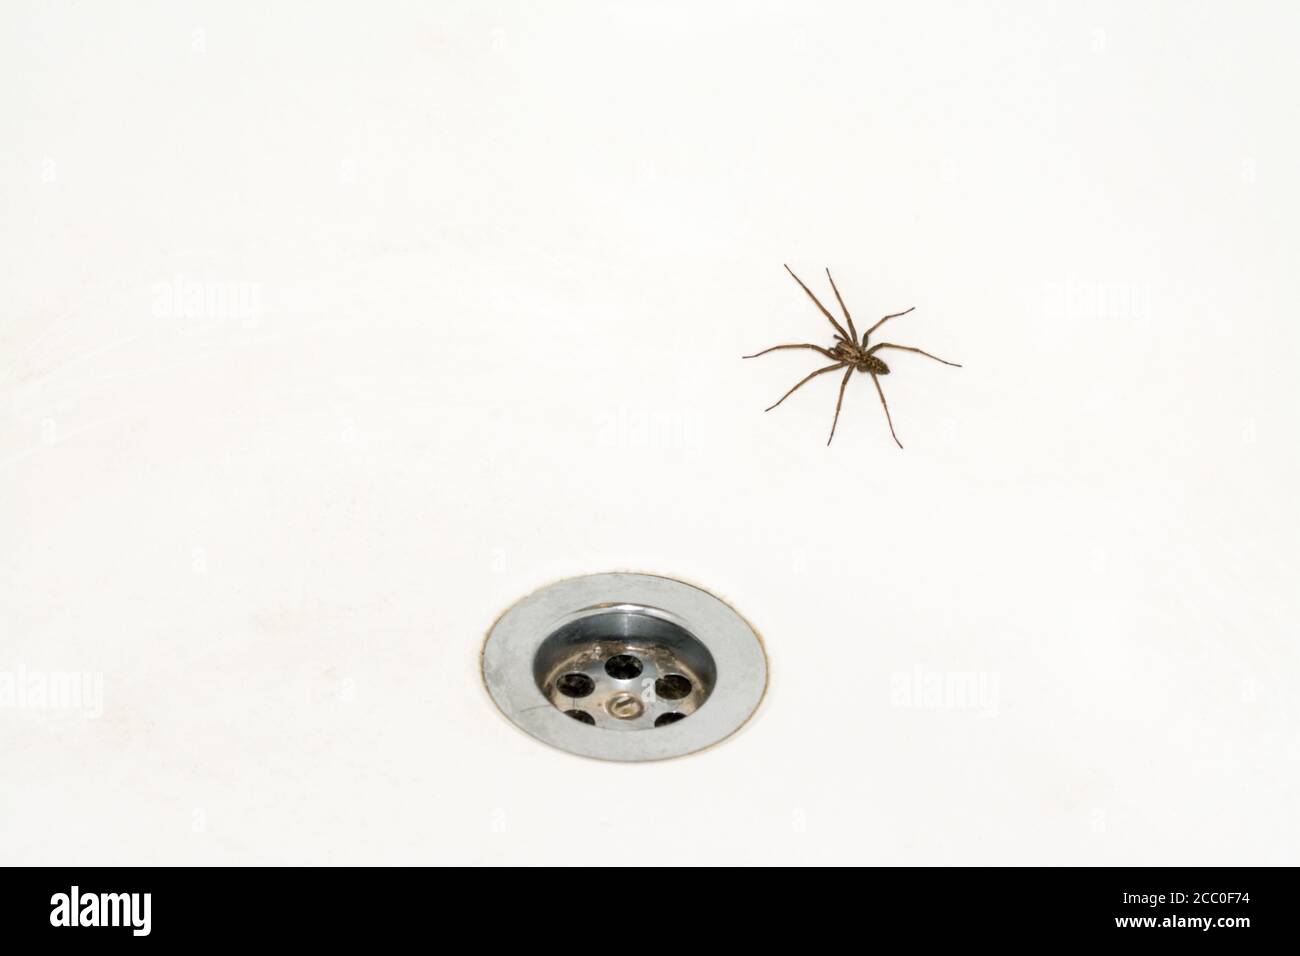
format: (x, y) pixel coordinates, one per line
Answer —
(869, 363)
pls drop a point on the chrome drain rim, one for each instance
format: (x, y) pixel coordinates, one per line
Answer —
(699, 672)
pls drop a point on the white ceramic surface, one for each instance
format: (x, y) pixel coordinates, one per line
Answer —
(329, 331)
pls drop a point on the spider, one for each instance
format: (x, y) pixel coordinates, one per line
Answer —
(848, 352)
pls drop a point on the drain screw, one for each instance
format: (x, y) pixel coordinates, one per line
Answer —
(625, 707)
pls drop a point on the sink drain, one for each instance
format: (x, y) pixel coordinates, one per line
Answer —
(624, 667)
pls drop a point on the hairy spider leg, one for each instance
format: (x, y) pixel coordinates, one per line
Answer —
(888, 417)
(908, 348)
(839, 329)
(838, 403)
(805, 345)
(828, 368)
(882, 322)
(853, 333)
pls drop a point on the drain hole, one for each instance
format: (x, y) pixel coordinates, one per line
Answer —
(582, 717)
(672, 687)
(575, 685)
(663, 720)
(623, 667)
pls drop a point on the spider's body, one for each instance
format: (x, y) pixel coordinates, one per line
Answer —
(859, 358)
(850, 353)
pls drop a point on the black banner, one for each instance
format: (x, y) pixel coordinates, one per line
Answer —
(112, 907)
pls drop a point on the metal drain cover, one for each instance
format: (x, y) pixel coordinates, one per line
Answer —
(625, 667)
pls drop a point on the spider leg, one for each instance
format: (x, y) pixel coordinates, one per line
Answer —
(908, 348)
(853, 333)
(881, 392)
(828, 368)
(882, 322)
(838, 403)
(839, 329)
(815, 348)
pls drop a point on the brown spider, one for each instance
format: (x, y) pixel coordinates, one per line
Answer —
(848, 352)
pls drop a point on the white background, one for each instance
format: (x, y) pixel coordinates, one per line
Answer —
(331, 330)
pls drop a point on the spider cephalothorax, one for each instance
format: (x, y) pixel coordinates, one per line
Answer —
(849, 353)
(853, 354)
